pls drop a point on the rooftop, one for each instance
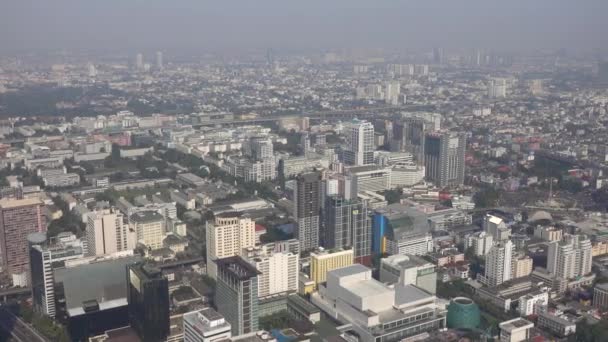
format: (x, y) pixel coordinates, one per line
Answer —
(6, 203)
(147, 216)
(238, 267)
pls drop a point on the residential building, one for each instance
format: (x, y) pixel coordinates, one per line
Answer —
(444, 154)
(348, 225)
(148, 298)
(107, 233)
(278, 269)
(409, 270)
(533, 303)
(229, 234)
(359, 143)
(570, 257)
(206, 325)
(149, 227)
(522, 267)
(323, 261)
(18, 219)
(481, 242)
(376, 311)
(307, 209)
(498, 264)
(600, 296)
(548, 233)
(496, 227)
(236, 294)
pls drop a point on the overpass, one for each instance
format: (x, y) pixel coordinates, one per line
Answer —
(14, 292)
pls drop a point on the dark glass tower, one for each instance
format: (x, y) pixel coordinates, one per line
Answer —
(148, 298)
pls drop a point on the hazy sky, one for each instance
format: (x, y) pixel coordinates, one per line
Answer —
(166, 24)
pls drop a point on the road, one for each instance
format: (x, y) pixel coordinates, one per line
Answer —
(18, 329)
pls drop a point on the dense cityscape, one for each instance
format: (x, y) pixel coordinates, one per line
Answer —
(287, 195)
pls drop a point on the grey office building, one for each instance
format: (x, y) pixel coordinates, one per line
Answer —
(444, 155)
(307, 202)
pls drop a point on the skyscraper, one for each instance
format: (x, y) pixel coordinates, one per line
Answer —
(159, 60)
(409, 135)
(149, 228)
(18, 219)
(444, 156)
(236, 294)
(107, 233)
(347, 224)
(359, 143)
(278, 269)
(392, 90)
(148, 300)
(139, 62)
(497, 88)
(498, 264)
(570, 257)
(229, 234)
(307, 203)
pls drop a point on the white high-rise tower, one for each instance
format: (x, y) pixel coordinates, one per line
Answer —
(360, 143)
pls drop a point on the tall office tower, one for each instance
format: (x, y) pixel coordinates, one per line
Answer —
(18, 218)
(236, 294)
(570, 257)
(478, 58)
(278, 269)
(139, 62)
(444, 154)
(496, 227)
(149, 228)
(307, 209)
(409, 136)
(229, 234)
(148, 300)
(360, 143)
(497, 88)
(392, 90)
(159, 60)
(107, 233)
(305, 143)
(438, 55)
(206, 325)
(498, 263)
(261, 149)
(347, 224)
(603, 72)
(44, 256)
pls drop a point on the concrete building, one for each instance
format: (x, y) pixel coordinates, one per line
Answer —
(107, 233)
(278, 269)
(556, 323)
(229, 234)
(45, 255)
(324, 261)
(62, 180)
(409, 270)
(445, 219)
(366, 178)
(600, 296)
(444, 154)
(406, 175)
(498, 264)
(375, 311)
(205, 325)
(515, 330)
(533, 303)
(570, 257)
(149, 227)
(148, 300)
(347, 224)
(522, 267)
(236, 294)
(548, 233)
(401, 229)
(307, 209)
(18, 219)
(496, 227)
(481, 242)
(359, 143)
(497, 88)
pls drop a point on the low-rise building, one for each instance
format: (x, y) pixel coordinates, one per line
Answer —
(515, 330)
(556, 323)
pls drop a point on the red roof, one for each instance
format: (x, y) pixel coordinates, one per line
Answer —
(259, 228)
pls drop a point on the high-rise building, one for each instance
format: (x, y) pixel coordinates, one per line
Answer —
(261, 149)
(438, 55)
(600, 296)
(307, 209)
(409, 136)
(498, 264)
(149, 228)
(392, 92)
(44, 256)
(206, 325)
(323, 261)
(496, 227)
(139, 62)
(522, 267)
(481, 243)
(278, 269)
(497, 88)
(359, 143)
(148, 298)
(570, 257)
(305, 143)
(107, 233)
(159, 60)
(444, 156)
(236, 294)
(18, 218)
(229, 234)
(347, 224)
